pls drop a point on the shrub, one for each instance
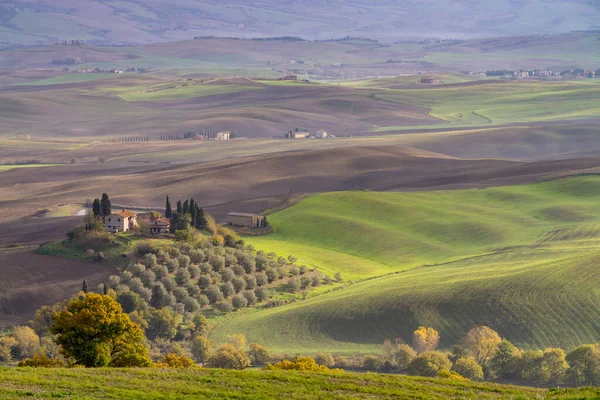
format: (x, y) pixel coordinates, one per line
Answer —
(447, 374)
(148, 277)
(238, 301)
(227, 289)
(202, 300)
(229, 357)
(262, 294)
(338, 277)
(41, 361)
(325, 359)
(193, 290)
(316, 281)
(299, 364)
(160, 271)
(172, 265)
(214, 294)
(227, 275)
(429, 363)
(327, 280)
(261, 279)
(238, 270)
(305, 282)
(130, 301)
(28, 342)
(191, 304)
(182, 277)
(204, 282)
(468, 368)
(272, 275)
(403, 356)
(372, 363)
(177, 361)
(224, 306)
(7, 344)
(194, 271)
(250, 297)
(162, 323)
(217, 262)
(168, 283)
(293, 285)
(259, 355)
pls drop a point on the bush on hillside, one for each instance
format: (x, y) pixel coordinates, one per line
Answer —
(468, 368)
(429, 363)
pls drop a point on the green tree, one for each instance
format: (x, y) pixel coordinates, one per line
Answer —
(95, 332)
(403, 355)
(105, 205)
(468, 368)
(162, 323)
(429, 363)
(584, 365)
(229, 357)
(84, 287)
(504, 363)
(186, 207)
(96, 208)
(183, 236)
(201, 349)
(168, 210)
(179, 207)
(554, 365)
(259, 355)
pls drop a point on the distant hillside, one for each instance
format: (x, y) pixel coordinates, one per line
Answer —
(144, 21)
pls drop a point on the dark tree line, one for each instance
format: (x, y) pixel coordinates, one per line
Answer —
(134, 139)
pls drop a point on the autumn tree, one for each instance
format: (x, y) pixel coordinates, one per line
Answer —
(468, 368)
(425, 339)
(429, 363)
(584, 365)
(201, 349)
(229, 357)
(95, 332)
(481, 343)
(259, 354)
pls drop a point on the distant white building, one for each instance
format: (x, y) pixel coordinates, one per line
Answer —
(322, 134)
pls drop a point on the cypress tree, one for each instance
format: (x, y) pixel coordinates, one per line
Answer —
(179, 207)
(174, 222)
(168, 211)
(104, 289)
(186, 207)
(84, 287)
(96, 208)
(200, 217)
(105, 205)
(193, 212)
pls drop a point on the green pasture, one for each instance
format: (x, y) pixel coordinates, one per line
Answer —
(520, 259)
(155, 383)
(501, 102)
(183, 92)
(40, 145)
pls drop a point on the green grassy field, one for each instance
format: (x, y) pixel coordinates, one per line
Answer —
(520, 259)
(183, 92)
(500, 102)
(130, 384)
(70, 78)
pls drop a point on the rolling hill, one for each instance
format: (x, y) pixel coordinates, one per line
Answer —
(143, 21)
(519, 259)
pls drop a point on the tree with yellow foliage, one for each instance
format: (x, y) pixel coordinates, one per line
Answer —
(95, 332)
(425, 339)
(481, 343)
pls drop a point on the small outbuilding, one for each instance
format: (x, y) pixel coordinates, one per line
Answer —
(160, 226)
(246, 220)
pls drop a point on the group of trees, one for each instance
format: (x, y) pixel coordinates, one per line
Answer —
(483, 354)
(134, 139)
(188, 215)
(102, 207)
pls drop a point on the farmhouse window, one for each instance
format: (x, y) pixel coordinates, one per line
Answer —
(119, 220)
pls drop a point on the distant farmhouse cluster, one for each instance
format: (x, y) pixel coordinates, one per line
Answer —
(203, 135)
(298, 134)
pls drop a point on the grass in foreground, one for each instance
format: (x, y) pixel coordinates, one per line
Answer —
(129, 384)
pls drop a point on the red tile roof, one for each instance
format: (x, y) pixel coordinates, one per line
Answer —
(125, 214)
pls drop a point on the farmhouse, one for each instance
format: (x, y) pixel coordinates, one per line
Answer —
(297, 135)
(225, 135)
(121, 221)
(247, 220)
(160, 226)
(290, 77)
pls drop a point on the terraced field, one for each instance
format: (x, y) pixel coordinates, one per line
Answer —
(520, 259)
